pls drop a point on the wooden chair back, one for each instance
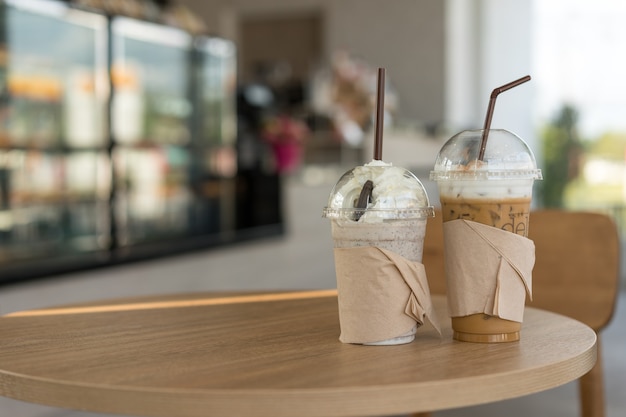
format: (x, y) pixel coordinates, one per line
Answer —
(433, 255)
(577, 265)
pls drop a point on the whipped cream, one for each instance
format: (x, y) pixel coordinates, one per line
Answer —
(395, 189)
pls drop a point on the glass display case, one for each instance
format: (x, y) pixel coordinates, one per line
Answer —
(54, 170)
(151, 130)
(118, 139)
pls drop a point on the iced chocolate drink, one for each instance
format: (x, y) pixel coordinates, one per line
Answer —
(404, 237)
(495, 191)
(394, 217)
(380, 206)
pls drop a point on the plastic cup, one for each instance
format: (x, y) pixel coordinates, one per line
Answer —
(496, 191)
(394, 220)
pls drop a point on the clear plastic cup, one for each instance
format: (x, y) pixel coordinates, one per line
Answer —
(394, 219)
(496, 191)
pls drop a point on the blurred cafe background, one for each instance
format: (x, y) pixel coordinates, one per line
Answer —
(132, 130)
(181, 145)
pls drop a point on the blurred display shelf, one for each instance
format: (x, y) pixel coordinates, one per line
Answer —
(118, 142)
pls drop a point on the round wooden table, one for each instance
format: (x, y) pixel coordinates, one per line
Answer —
(260, 354)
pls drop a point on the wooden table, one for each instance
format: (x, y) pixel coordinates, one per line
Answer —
(267, 355)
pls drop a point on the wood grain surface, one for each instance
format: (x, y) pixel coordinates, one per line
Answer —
(255, 354)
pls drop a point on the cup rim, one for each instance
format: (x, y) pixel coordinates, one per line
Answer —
(384, 214)
(494, 174)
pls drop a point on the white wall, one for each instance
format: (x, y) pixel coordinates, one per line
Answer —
(488, 44)
(404, 36)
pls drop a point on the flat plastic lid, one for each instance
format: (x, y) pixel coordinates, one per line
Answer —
(507, 156)
(396, 194)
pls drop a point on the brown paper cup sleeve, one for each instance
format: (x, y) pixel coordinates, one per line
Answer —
(382, 295)
(488, 270)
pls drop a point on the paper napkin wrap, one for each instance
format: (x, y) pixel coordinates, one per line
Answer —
(488, 270)
(381, 294)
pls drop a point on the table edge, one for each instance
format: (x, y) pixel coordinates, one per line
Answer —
(374, 400)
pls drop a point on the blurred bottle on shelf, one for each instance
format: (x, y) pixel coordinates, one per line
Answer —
(5, 102)
(127, 104)
(85, 109)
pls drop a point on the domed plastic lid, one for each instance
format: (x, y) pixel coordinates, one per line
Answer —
(506, 156)
(396, 194)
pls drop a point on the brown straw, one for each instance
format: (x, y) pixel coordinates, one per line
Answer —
(364, 198)
(492, 105)
(380, 115)
(366, 192)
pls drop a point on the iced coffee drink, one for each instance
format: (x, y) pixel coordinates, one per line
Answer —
(379, 206)
(495, 191)
(510, 213)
